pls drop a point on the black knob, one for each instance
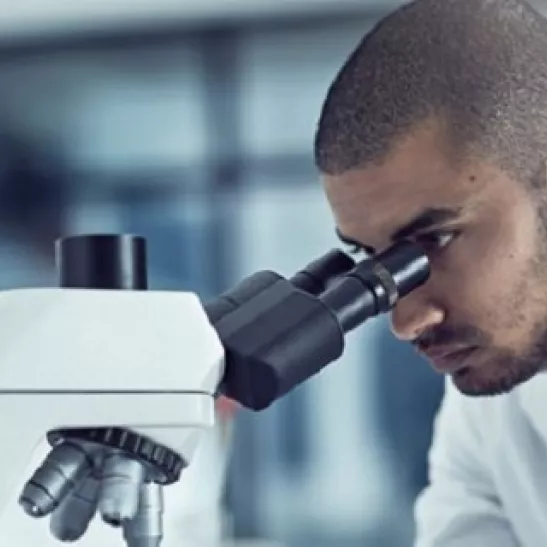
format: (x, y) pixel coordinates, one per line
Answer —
(102, 261)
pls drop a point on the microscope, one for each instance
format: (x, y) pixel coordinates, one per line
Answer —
(120, 381)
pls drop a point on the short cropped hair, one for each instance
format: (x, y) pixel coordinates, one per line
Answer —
(480, 66)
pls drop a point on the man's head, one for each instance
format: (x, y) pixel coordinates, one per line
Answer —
(435, 129)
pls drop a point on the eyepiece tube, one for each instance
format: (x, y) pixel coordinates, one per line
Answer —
(229, 301)
(408, 266)
(285, 335)
(315, 277)
(312, 279)
(351, 302)
(376, 285)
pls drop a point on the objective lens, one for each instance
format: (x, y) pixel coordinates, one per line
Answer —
(146, 529)
(122, 478)
(71, 519)
(64, 466)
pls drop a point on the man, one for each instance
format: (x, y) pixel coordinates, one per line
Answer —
(435, 130)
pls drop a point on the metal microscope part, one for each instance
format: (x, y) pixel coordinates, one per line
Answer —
(121, 481)
(102, 261)
(166, 464)
(69, 522)
(61, 470)
(146, 528)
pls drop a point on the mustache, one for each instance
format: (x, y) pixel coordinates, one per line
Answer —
(450, 336)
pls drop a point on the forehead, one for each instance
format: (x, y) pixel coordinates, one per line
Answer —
(418, 174)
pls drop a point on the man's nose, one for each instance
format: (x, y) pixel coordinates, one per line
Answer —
(414, 315)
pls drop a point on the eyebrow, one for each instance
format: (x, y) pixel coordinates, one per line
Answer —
(427, 219)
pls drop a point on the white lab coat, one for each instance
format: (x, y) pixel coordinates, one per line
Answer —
(488, 471)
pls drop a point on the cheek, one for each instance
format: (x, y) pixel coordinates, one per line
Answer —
(486, 270)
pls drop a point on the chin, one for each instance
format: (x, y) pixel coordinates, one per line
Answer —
(487, 381)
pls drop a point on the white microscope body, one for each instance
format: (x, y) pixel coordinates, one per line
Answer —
(106, 387)
(143, 360)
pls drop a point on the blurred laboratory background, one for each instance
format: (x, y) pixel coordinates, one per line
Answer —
(191, 123)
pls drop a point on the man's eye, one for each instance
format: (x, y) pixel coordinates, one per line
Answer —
(435, 241)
